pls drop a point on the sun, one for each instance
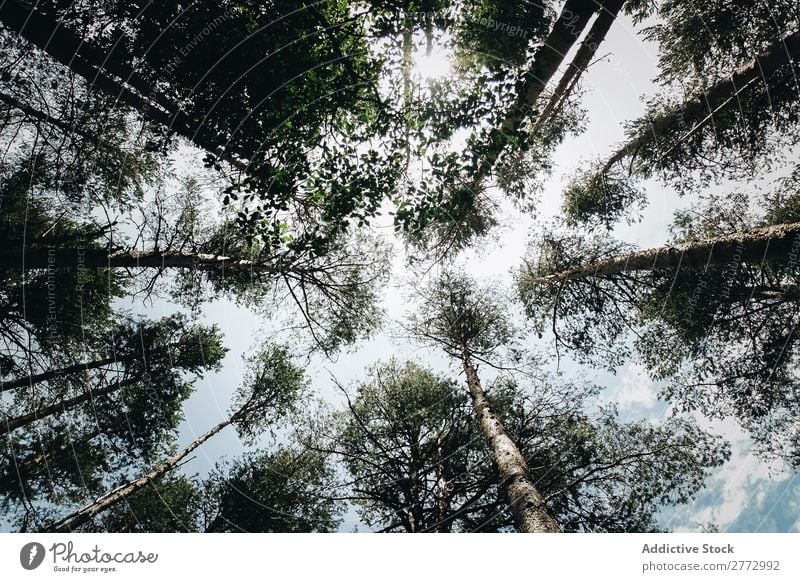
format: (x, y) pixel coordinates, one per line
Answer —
(433, 66)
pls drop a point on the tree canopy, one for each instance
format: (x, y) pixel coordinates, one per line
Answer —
(232, 206)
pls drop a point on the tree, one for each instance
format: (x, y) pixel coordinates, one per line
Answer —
(72, 432)
(298, 141)
(415, 462)
(153, 60)
(265, 491)
(173, 503)
(606, 17)
(737, 106)
(47, 314)
(713, 315)
(148, 359)
(468, 326)
(334, 294)
(277, 491)
(271, 388)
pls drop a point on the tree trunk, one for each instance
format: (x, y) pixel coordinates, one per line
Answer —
(46, 118)
(62, 406)
(93, 66)
(53, 374)
(527, 504)
(713, 98)
(14, 258)
(565, 32)
(583, 58)
(781, 241)
(83, 515)
(57, 40)
(442, 494)
(68, 50)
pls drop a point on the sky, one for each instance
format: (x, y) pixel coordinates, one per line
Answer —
(746, 494)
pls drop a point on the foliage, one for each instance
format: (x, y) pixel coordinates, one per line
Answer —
(416, 461)
(276, 491)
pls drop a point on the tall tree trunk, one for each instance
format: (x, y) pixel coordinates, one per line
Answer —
(42, 30)
(94, 66)
(69, 50)
(62, 406)
(86, 513)
(780, 241)
(12, 258)
(572, 20)
(713, 98)
(415, 515)
(583, 58)
(60, 373)
(527, 504)
(441, 490)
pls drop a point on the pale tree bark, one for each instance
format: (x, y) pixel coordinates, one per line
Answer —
(78, 518)
(442, 501)
(583, 58)
(713, 99)
(12, 424)
(777, 242)
(526, 502)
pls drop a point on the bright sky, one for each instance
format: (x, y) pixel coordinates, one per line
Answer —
(741, 496)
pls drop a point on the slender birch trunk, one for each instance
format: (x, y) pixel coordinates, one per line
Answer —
(780, 241)
(527, 504)
(76, 519)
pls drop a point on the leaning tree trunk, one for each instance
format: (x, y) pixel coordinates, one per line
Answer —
(18, 473)
(713, 98)
(94, 67)
(574, 17)
(12, 424)
(85, 514)
(37, 29)
(14, 258)
(769, 243)
(60, 373)
(43, 31)
(583, 58)
(527, 504)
